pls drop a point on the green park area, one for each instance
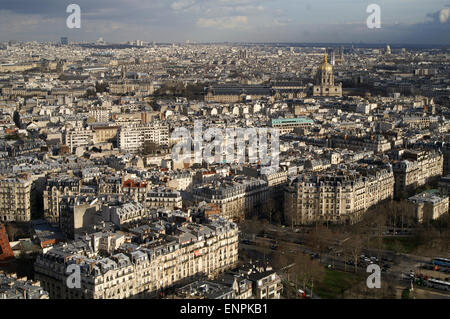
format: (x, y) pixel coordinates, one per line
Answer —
(335, 283)
(404, 245)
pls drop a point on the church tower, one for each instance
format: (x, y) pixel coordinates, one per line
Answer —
(324, 81)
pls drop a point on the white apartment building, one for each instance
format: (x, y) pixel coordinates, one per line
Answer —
(78, 137)
(132, 138)
(139, 271)
(100, 114)
(15, 204)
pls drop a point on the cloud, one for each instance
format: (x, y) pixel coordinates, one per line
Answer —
(441, 16)
(282, 21)
(444, 15)
(223, 22)
(182, 4)
(218, 20)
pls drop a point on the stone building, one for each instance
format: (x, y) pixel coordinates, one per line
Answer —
(341, 197)
(15, 195)
(140, 271)
(428, 206)
(415, 170)
(234, 199)
(324, 81)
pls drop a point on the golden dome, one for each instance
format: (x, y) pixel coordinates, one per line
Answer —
(325, 66)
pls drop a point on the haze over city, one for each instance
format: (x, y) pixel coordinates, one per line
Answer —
(403, 21)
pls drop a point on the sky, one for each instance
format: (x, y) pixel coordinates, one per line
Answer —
(336, 21)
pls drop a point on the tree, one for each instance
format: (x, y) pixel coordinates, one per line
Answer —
(269, 209)
(308, 271)
(354, 248)
(320, 238)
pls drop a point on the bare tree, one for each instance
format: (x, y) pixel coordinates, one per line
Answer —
(354, 247)
(320, 238)
(308, 271)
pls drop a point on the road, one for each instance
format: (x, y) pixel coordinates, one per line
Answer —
(400, 263)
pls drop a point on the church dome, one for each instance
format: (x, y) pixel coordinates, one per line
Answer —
(325, 66)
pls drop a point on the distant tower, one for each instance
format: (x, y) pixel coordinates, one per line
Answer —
(388, 49)
(64, 41)
(333, 58)
(123, 72)
(243, 54)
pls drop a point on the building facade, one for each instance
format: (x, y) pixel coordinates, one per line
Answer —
(133, 138)
(15, 203)
(415, 170)
(338, 198)
(324, 81)
(140, 271)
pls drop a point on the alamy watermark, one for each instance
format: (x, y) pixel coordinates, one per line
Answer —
(374, 19)
(74, 19)
(374, 279)
(229, 145)
(74, 278)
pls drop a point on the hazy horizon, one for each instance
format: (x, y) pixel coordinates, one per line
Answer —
(237, 21)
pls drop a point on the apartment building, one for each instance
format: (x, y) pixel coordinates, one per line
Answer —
(12, 287)
(125, 87)
(135, 189)
(15, 194)
(163, 198)
(55, 188)
(140, 271)
(77, 212)
(180, 181)
(227, 286)
(286, 126)
(446, 153)
(266, 285)
(340, 197)
(78, 137)
(429, 206)
(375, 143)
(100, 114)
(415, 170)
(127, 213)
(235, 94)
(419, 122)
(229, 197)
(104, 134)
(133, 138)
(234, 199)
